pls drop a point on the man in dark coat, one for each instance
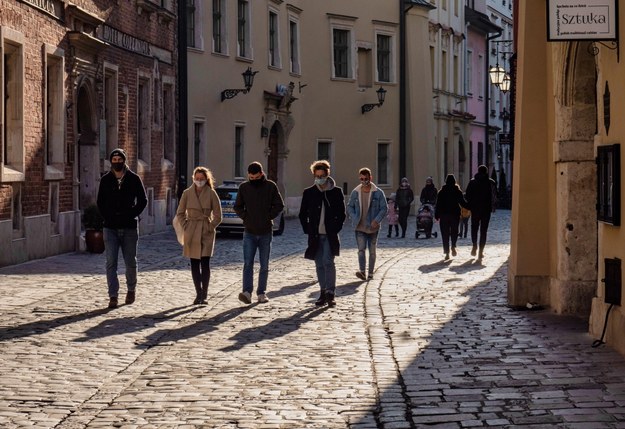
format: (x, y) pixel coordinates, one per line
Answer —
(480, 198)
(258, 203)
(121, 199)
(322, 214)
(448, 203)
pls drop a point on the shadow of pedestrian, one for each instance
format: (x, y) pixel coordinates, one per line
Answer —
(290, 290)
(42, 326)
(125, 325)
(274, 329)
(193, 330)
(468, 266)
(436, 266)
(349, 288)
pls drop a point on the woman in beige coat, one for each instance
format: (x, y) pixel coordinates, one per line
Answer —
(199, 212)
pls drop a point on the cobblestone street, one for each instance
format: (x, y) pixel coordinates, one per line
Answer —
(426, 343)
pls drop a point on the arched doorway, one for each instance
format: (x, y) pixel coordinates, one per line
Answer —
(87, 145)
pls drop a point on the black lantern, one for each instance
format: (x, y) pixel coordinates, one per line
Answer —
(248, 81)
(381, 92)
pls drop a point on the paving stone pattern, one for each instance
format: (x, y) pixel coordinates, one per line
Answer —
(426, 343)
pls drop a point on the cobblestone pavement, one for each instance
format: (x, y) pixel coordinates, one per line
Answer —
(427, 343)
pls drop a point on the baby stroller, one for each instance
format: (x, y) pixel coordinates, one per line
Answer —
(425, 221)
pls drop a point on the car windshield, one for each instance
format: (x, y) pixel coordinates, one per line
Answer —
(227, 194)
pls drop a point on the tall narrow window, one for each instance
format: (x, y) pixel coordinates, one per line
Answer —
(198, 137)
(111, 106)
(274, 40)
(384, 57)
(469, 74)
(55, 118)
(294, 46)
(383, 163)
(191, 12)
(340, 42)
(243, 28)
(324, 150)
(143, 120)
(12, 104)
(444, 84)
(169, 123)
(238, 151)
(219, 26)
(456, 80)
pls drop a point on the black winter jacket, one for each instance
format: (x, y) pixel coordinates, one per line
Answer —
(480, 192)
(258, 204)
(449, 200)
(121, 203)
(310, 214)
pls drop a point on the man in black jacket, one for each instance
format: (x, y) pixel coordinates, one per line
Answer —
(121, 199)
(258, 203)
(322, 214)
(480, 196)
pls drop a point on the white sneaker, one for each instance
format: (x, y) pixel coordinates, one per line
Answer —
(262, 298)
(245, 297)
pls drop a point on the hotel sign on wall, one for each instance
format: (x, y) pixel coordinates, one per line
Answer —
(582, 20)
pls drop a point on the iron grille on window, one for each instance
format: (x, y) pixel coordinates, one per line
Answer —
(341, 50)
(384, 58)
(241, 33)
(217, 16)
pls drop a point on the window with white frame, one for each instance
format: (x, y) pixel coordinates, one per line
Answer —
(384, 57)
(243, 29)
(194, 24)
(469, 75)
(55, 117)
(294, 45)
(143, 120)
(384, 162)
(219, 27)
(274, 39)
(111, 108)
(444, 80)
(12, 167)
(239, 139)
(341, 53)
(324, 149)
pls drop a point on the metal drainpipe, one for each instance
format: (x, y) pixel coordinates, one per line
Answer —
(183, 131)
(487, 104)
(402, 88)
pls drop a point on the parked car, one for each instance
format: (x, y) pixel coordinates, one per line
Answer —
(227, 192)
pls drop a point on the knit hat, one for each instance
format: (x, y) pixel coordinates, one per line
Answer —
(450, 180)
(118, 152)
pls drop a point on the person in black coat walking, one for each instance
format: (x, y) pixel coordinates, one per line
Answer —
(322, 214)
(447, 211)
(480, 196)
(404, 198)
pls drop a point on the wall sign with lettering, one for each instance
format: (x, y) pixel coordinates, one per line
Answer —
(51, 7)
(582, 20)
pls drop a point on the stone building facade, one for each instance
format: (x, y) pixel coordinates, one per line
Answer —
(78, 79)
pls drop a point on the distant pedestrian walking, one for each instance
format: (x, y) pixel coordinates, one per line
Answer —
(367, 208)
(463, 229)
(404, 198)
(392, 216)
(447, 211)
(199, 213)
(480, 196)
(258, 203)
(429, 192)
(322, 214)
(121, 199)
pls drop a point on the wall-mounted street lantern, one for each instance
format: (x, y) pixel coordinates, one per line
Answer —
(497, 75)
(368, 107)
(504, 86)
(248, 81)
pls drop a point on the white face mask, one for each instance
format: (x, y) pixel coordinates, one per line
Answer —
(199, 183)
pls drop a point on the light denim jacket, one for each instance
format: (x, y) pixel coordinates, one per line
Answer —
(377, 206)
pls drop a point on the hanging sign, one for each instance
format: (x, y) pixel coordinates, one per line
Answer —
(582, 20)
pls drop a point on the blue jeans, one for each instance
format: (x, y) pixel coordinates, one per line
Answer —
(126, 239)
(324, 262)
(251, 242)
(364, 240)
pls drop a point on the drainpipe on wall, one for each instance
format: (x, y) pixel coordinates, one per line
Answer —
(487, 104)
(183, 130)
(402, 87)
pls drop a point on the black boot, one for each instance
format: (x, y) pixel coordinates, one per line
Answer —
(204, 295)
(198, 295)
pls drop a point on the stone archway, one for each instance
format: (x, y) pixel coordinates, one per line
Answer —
(574, 285)
(87, 144)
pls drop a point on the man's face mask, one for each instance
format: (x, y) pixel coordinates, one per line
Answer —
(117, 166)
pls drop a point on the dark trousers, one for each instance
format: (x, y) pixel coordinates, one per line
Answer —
(479, 221)
(464, 227)
(449, 230)
(390, 230)
(201, 271)
(403, 219)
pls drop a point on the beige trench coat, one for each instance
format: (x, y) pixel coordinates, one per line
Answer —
(199, 216)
